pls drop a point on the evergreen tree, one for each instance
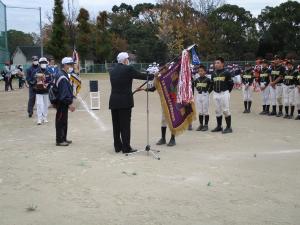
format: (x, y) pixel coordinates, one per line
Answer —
(84, 34)
(57, 45)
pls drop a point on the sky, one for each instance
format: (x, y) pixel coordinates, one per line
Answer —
(28, 20)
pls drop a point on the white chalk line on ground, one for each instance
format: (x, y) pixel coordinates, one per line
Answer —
(92, 114)
(291, 151)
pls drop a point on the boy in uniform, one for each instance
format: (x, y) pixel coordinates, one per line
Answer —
(203, 86)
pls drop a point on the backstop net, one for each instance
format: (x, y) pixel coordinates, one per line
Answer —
(4, 54)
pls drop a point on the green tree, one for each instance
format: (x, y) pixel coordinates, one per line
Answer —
(18, 38)
(232, 32)
(279, 29)
(102, 46)
(84, 33)
(57, 45)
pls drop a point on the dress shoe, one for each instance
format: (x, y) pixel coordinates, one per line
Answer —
(68, 141)
(63, 144)
(130, 151)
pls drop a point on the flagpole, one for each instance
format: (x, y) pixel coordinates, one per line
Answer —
(189, 48)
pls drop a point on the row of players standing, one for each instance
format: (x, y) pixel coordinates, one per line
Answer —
(279, 83)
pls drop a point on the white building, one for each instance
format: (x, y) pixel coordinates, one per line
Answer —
(23, 54)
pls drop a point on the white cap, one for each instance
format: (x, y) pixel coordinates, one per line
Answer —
(67, 60)
(122, 56)
(43, 59)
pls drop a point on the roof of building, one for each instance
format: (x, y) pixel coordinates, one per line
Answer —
(30, 51)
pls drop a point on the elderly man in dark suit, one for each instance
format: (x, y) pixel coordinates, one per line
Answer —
(121, 101)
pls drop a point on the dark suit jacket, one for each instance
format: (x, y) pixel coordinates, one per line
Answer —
(121, 77)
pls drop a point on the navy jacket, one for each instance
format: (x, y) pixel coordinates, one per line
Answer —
(30, 75)
(65, 90)
(121, 77)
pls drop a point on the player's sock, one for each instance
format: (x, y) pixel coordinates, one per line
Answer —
(201, 120)
(286, 110)
(163, 133)
(249, 105)
(206, 120)
(245, 105)
(292, 110)
(267, 108)
(280, 108)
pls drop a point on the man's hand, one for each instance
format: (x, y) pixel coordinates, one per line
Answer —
(72, 108)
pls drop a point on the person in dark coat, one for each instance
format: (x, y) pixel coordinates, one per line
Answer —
(31, 80)
(65, 101)
(121, 101)
(7, 75)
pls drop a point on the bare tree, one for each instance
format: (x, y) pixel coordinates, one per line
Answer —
(206, 6)
(71, 16)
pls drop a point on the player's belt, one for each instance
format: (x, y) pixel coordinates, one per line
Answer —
(202, 92)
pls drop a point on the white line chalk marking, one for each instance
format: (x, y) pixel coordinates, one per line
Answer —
(291, 151)
(92, 114)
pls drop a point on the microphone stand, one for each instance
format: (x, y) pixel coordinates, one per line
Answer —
(147, 149)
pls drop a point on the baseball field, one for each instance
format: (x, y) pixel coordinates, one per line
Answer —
(249, 177)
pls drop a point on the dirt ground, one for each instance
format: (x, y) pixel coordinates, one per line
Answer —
(250, 177)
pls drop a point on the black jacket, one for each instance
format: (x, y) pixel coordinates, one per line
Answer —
(121, 77)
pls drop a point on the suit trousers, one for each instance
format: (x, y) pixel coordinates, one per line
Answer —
(31, 100)
(121, 120)
(61, 122)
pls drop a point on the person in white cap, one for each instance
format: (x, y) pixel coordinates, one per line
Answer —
(121, 101)
(65, 101)
(43, 80)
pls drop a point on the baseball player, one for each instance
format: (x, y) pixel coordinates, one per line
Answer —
(264, 81)
(276, 81)
(203, 86)
(222, 85)
(289, 81)
(247, 80)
